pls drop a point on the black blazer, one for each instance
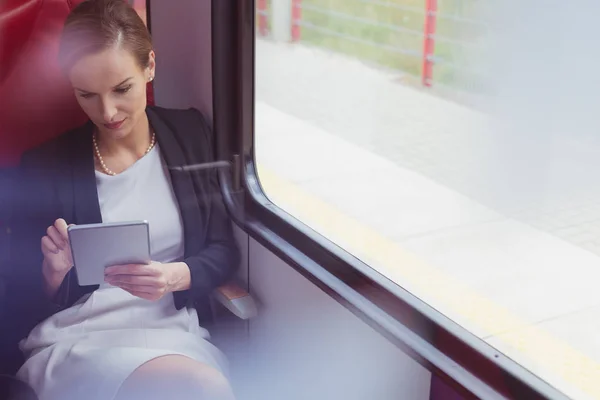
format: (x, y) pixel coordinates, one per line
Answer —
(57, 180)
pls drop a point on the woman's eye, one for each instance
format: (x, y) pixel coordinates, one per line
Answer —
(86, 95)
(123, 89)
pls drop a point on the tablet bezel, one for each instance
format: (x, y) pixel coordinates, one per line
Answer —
(92, 273)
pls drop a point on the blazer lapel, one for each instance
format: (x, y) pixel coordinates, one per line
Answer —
(65, 189)
(183, 185)
(85, 194)
(82, 194)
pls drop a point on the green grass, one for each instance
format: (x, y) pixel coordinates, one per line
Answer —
(409, 19)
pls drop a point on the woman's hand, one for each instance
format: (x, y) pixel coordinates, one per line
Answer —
(57, 256)
(150, 282)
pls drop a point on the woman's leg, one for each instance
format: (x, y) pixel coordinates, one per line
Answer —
(175, 377)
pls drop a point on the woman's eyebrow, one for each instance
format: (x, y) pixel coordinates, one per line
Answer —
(125, 81)
(116, 86)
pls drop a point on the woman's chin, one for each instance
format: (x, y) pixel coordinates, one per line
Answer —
(115, 133)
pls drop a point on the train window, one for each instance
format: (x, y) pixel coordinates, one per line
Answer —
(442, 153)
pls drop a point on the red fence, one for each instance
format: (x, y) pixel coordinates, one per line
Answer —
(430, 15)
(262, 17)
(429, 42)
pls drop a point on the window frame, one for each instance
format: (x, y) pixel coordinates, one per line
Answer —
(462, 360)
(148, 14)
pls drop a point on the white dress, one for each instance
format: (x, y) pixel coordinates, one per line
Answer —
(88, 350)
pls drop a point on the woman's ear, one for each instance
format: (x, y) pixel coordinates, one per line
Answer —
(151, 70)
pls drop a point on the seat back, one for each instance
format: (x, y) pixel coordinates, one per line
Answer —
(36, 101)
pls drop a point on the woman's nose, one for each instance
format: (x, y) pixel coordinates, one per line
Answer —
(109, 110)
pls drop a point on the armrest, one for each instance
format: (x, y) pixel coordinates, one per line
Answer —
(237, 300)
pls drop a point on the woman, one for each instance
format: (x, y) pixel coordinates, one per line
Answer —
(137, 335)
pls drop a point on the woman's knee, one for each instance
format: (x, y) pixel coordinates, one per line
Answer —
(206, 380)
(176, 376)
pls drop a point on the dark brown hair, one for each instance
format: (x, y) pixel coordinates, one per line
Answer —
(95, 25)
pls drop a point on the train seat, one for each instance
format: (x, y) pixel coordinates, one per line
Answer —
(37, 104)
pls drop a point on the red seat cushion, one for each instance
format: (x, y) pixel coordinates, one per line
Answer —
(36, 101)
(15, 16)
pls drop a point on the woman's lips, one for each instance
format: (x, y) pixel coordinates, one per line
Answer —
(114, 125)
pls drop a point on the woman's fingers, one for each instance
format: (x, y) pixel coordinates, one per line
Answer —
(137, 288)
(142, 280)
(61, 226)
(132, 269)
(48, 245)
(58, 234)
(56, 237)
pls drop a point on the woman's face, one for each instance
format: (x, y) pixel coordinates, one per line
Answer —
(110, 87)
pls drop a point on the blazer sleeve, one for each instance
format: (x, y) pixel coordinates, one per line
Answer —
(215, 263)
(31, 214)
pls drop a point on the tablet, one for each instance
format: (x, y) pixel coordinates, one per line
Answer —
(97, 246)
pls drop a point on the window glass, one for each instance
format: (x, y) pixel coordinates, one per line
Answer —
(452, 146)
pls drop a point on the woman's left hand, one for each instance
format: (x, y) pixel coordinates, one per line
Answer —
(150, 282)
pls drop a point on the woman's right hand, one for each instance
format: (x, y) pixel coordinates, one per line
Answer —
(57, 255)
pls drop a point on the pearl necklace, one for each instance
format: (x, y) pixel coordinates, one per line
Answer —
(107, 170)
